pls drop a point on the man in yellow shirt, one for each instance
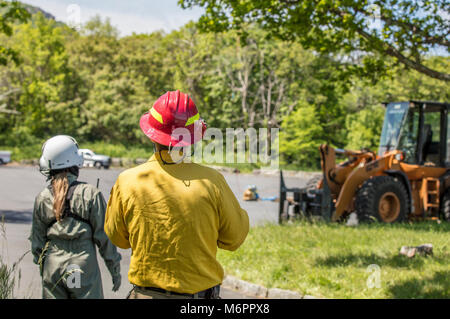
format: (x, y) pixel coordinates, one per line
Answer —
(172, 214)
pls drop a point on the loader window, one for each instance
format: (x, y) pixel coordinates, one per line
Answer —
(447, 158)
(431, 137)
(393, 121)
(409, 136)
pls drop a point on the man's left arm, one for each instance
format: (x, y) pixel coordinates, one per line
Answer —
(233, 220)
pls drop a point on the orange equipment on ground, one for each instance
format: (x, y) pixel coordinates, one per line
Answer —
(408, 179)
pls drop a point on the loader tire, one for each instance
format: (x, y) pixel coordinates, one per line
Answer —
(382, 199)
(445, 206)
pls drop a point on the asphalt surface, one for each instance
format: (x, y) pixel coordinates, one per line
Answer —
(20, 185)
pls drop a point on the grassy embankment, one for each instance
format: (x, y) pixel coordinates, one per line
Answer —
(331, 260)
(29, 152)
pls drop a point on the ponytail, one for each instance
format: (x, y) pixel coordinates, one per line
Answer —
(60, 185)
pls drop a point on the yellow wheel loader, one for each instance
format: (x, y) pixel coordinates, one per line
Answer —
(409, 178)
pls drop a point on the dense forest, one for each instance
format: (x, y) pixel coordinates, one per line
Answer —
(94, 85)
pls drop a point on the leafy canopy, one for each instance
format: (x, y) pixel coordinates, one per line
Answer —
(372, 29)
(95, 85)
(10, 12)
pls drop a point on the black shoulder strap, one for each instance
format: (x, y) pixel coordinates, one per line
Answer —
(67, 208)
(71, 189)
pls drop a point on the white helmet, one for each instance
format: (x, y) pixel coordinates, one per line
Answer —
(59, 152)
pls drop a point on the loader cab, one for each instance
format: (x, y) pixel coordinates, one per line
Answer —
(418, 129)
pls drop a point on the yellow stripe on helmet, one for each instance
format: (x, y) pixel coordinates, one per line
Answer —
(156, 115)
(192, 119)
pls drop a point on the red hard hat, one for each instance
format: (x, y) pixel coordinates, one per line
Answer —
(173, 110)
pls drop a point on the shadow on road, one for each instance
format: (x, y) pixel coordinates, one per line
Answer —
(16, 217)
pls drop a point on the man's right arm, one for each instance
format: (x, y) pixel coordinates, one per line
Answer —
(233, 220)
(115, 226)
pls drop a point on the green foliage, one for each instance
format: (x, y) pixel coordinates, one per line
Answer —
(332, 260)
(364, 128)
(365, 117)
(405, 30)
(300, 137)
(95, 85)
(404, 85)
(96, 27)
(118, 150)
(48, 86)
(10, 276)
(10, 12)
(7, 281)
(24, 151)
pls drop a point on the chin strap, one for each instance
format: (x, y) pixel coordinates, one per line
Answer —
(169, 151)
(171, 163)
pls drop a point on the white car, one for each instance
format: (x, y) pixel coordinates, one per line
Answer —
(5, 157)
(95, 160)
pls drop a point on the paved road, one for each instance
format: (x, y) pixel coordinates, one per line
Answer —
(19, 186)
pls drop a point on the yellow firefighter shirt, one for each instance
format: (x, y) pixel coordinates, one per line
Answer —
(174, 217)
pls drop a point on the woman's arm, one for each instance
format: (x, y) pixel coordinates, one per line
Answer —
(38, 236)
(106, 248)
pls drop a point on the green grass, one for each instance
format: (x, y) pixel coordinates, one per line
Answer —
(331, 260)
(119, 150)
(28, 152)
(23, 152)
(10, 276)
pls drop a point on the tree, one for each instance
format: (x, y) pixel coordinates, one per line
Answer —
(365, 113)
(10, 12)
(300, 137)
(48, 88)
(404, 85)
(114, 72)
(265, 75)
(190, 60)
(147, 55)
(364, 128)
(256, 81)
(404, 29)
(112, 111)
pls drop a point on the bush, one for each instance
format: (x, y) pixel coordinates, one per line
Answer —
(9, 275)
(120, 150)
(364, 128)
(300, 137)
